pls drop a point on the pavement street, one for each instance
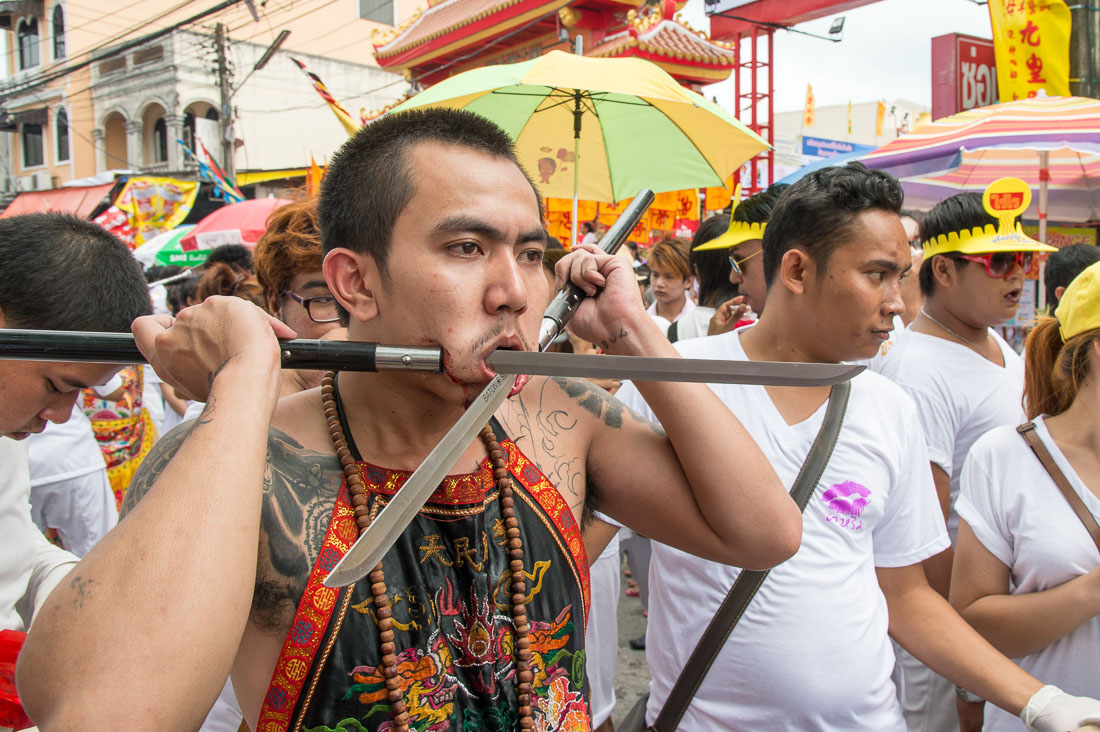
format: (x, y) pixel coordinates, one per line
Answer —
(632, 673)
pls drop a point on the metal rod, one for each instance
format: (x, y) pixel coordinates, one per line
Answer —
(59, 345)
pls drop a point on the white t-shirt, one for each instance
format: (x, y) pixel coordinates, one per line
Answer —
(64, 451)
(960, 395)
(812, 650)
(31, 566)
(1018, 514)
(689, 305)
(890, 353)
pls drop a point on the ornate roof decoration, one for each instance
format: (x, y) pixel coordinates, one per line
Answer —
(442, 17)
(657, 34)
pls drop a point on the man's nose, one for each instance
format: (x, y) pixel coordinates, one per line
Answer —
(60, 407)
(507, 289)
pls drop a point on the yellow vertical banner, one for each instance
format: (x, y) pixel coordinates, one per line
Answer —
(808, 110)
(880, 114)
(1031, 44)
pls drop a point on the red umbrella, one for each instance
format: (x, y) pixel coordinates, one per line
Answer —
(236, 223)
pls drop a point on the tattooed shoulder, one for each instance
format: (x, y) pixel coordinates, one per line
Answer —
(154, 464)
(600, 404)
(299, 492)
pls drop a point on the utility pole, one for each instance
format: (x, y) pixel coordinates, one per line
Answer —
(1084, 50)
(225, 116)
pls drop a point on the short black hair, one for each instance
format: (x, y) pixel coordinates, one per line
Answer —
(758, 209)
(1065, 264)
(66, 273)
(963, 211)
(368, 183)
(237, 256)
(712, 267)
(819, 211)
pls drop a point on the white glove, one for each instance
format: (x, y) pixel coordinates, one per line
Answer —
(1052, 710)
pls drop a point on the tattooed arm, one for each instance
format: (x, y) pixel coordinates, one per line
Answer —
(147, 628)
(706, 489)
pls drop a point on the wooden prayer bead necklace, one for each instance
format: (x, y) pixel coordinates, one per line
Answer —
(383, 611)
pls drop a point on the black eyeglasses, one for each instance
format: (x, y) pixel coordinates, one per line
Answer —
(321, 309)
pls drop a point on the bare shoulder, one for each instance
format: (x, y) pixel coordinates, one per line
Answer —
(554, 421)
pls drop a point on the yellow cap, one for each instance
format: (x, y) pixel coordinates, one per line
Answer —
(1079, 309)
(738, 233)
(1004, 199)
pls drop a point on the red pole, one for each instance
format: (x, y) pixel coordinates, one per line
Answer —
(771, 105)
(755, 124)
(737, 94)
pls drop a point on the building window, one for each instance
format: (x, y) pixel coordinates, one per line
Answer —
(28, 43)
(58, 32)
(380, 11)
(33, 154)
(160, 141)
(62, 135)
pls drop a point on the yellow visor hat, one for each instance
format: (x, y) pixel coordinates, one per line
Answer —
(738, 233)
(1079, 309)
(1004, 199)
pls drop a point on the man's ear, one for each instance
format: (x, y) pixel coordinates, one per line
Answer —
(794, 270)
(1058, 292)
(944, 270)
(353, 278)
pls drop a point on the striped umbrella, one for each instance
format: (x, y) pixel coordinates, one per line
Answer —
(1072, 178)
(935, 147)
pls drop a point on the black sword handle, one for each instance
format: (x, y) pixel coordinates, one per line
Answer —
(60, 345)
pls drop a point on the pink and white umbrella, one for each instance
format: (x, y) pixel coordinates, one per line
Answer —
(235, 223)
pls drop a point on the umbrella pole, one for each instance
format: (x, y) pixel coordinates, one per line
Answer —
(577, 112)
(1044, 181)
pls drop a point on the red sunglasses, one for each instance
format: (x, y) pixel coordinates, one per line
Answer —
(1001, 264)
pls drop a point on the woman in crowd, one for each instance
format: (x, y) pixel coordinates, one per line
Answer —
(1026, 571)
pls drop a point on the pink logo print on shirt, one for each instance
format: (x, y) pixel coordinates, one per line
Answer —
(847, 499)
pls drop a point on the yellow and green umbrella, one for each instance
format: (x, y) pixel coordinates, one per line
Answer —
(601, 129)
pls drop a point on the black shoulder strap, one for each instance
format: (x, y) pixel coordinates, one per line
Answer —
(748, 582)
(673, 332)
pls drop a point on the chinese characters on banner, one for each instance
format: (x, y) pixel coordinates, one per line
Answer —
(1031, 40)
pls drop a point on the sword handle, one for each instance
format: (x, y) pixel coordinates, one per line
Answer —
(563, 305)
(60, 345)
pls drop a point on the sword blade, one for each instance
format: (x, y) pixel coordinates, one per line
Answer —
(372, 545)
(642, 368)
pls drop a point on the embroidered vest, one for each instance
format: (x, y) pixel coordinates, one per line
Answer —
(448, 581)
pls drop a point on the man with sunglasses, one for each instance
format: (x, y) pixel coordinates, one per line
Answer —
(744, 240)
(964, 378)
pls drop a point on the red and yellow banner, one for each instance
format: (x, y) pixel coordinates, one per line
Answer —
(1031, 43)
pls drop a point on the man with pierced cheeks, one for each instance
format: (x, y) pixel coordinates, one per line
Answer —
(434, 237)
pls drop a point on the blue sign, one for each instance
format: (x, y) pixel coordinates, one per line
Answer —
(823, 148)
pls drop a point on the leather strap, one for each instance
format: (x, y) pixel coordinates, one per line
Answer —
(1027, 431)
(749, 581)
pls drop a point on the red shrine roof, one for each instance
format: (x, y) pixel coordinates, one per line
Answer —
(658, 38)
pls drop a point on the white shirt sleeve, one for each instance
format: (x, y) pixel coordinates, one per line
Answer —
(940, 426)
(912, 528)
(979, 498)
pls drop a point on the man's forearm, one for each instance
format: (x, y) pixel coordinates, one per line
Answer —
(159, 606)
(734, 485)
(925, 624)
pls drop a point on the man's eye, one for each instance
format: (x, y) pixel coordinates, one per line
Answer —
(531, 256)
(51, 388)
(467, 248)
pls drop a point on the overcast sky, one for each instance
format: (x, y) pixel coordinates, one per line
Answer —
(885, 54)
